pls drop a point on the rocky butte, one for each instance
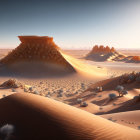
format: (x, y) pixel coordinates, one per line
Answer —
(102, 49)
(101, 53)
(36, 50)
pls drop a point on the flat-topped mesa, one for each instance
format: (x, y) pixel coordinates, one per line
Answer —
(36, 49)
(35, 39)
(102, 49)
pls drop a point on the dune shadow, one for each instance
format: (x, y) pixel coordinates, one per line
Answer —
(100, 102)
(129, 105)
(35, 70)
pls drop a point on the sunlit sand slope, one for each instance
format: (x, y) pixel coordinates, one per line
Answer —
(129, 118)
(84, 69)
(38, 118)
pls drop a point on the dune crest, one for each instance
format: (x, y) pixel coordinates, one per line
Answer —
(40, 117)
(85, 69)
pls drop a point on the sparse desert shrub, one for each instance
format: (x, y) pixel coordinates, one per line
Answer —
(83, 104)
(30, 89)
(131, 77)
(99, 89)
(25, 90)
(6, 132)
(82, 84)
(128, 78)
(76, 92)
(138, 127)
(60, 95)
(138, 79)
(100, 108)
(112, 96)
(79, 101)
(13, 90)
(60, 91)
(119, 88)
(49, 93)
(11, 83)
(4, 95)
(114, 104)
(48, 96)
(138, 74)
(124, 92)
(100, 96)
(36, 92)
(110, 118)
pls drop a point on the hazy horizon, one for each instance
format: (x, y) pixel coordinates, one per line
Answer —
(74, 24)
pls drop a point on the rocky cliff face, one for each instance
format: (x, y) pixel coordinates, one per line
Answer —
(102, 49)
(36, 49)
(137, 58)
(101, 53)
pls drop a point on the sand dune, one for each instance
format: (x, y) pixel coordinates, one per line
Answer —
(85, 69)
(40, 56)
(38, 118)
(130, 118)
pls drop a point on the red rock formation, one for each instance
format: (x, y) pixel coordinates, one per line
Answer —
(102, 49)
(36, 49)
(136, 58)
(107, 49)
(95, 48)
(113, 49)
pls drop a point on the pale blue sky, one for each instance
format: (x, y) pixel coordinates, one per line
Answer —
(74, 24)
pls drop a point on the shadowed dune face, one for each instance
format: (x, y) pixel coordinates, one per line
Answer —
(128, 101)
(34, 53)
(36, 117)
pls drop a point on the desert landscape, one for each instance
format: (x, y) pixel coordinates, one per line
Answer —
(65, 89)
(69, 70)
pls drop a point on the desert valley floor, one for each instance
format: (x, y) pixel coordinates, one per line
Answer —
(113, 119)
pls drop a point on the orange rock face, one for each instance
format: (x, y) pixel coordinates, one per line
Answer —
(35, 39)
(136, 58)
(102, 49)
(36, 49)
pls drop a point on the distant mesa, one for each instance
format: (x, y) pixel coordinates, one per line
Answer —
(37, 54)
(102, 49)
(101, 53)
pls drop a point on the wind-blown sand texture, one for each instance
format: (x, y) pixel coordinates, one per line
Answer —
(37, 118)
(66, 121)
(129, 118)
